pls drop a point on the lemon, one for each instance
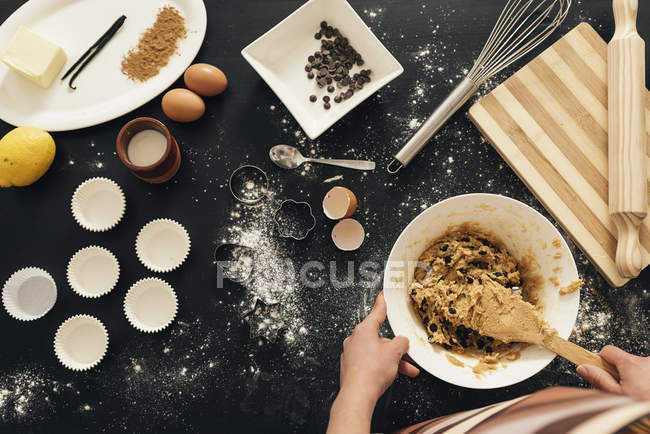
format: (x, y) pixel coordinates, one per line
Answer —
(25, 155)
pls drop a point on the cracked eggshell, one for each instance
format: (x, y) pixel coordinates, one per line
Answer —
(348, 235)
(339, 203)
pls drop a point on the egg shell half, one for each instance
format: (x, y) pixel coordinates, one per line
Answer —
(348, 235)
(183, 105)
(339, 203)
(205, 79)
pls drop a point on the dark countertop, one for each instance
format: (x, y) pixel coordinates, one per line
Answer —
(206, 373)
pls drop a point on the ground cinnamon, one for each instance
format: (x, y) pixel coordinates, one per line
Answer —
(156, 46)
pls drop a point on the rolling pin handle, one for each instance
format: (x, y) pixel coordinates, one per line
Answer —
(625, 13)
(629, 260)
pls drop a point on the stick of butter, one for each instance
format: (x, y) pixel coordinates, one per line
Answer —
(34, 57)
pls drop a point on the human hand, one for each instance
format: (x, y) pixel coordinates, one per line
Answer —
(633, 370)
(369, 364)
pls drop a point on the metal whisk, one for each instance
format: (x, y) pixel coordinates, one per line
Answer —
(522, 25)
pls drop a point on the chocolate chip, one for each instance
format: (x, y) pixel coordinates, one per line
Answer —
(480, 281)
(310, 75)
(326, 98)
(482, 252)
(452, 311)
(462, 271)
(433, 327)
(447, 259)
(337, 99)
(312, 98)
(446, 346)
(444, 247)
(470, 280)
(485, 242)
(307, 68)
(488, 349)
(326, 106)
(480, 344)
(464, 240)
(425, 320)
(318, 35)
(413, 292)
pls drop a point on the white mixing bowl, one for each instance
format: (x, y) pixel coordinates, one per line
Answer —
(524, 231)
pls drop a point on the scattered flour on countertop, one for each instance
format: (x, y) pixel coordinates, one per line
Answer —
(28, 394)
(274, 279)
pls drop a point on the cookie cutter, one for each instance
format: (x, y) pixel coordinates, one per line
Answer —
(287, 228)
(265, 320)
(252, 184)
(235, 261)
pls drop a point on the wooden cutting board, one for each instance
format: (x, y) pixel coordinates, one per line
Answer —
(549, 122)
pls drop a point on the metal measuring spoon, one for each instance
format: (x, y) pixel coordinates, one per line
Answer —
(289, 157)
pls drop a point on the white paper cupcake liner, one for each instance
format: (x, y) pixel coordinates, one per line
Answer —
(162, 245)
(81, 342)
(29, 294)
(93, 272)
(98, 204)
(150, 305)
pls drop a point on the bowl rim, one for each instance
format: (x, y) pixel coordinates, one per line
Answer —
(488, 196)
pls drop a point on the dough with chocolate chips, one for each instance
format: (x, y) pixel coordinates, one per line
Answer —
(452, 273)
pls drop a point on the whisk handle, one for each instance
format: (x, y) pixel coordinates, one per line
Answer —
(448, 107)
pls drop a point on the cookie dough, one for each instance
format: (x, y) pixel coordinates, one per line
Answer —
(464, 282)
(571, 287)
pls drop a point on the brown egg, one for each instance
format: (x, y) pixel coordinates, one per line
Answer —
(183, 105)
(206, 80)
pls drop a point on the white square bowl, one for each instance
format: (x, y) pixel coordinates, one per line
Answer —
(280, 55)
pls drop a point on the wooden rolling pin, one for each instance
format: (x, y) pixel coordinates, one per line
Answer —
(628, 196)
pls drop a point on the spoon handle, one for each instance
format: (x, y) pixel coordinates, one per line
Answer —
(578, 355)
(350, 164)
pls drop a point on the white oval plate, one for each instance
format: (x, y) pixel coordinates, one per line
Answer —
(524, 231)
(103, 92)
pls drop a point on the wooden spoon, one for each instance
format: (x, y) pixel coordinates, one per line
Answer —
(504, 315)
